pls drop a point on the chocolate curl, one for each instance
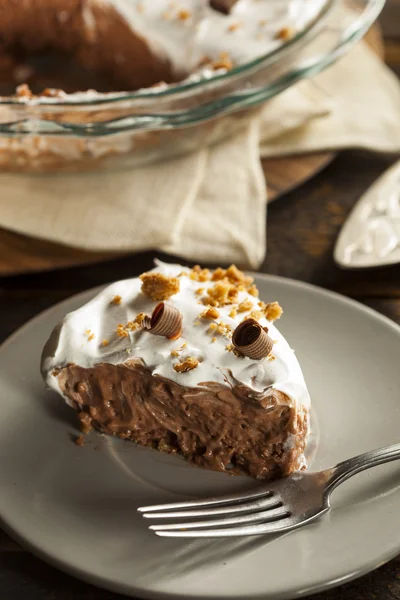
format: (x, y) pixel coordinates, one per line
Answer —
(146, 323)
(252, 340)
(223, 6)
(165, 320)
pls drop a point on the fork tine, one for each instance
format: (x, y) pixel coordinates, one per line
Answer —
(254, 505)
(284, 524)
(228, 499)
(264, 516)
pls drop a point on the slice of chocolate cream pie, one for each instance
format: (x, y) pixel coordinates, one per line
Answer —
(186, 361)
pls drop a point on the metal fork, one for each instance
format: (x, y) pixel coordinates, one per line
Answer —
(280, 506)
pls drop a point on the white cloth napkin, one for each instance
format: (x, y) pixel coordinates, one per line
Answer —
(210, 206)
(365, 110)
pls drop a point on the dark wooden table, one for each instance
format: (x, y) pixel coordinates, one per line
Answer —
(302, 228)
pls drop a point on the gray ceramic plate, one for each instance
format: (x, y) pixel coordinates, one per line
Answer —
(76, 507)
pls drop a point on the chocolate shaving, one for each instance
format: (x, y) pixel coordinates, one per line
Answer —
(145, 323)
(223, 6)
(252, 340)
(166, 320)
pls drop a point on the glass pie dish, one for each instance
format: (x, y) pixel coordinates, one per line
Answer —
(90, 130)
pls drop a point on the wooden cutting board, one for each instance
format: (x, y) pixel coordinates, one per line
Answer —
(21, 254)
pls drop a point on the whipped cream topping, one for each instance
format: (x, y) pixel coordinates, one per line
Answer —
(79, 339)
(189, 32)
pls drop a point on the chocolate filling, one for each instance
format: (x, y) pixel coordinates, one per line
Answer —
(54, 44)
(214, 426)
(223, 6)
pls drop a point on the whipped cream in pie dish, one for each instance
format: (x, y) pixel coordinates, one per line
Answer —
(190, 387)
(138, 43)
(191, 33)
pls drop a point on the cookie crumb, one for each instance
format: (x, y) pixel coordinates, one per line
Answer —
(245, 306)
(256, 314)
(116, 300)
(158, 287)
(199, 274)
(222, 293)
(253, 291)
(224, 62)
(139, 318)
(211, 313)
(273, 311)
(234, 26)
(183, 15)
(187, 365)
(121, 331)
(286, 33)
(79, 440)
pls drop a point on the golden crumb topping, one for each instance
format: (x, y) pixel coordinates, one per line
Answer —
(218, 274)
(221, 293)
(211, 313)
(256, 314)
(245, 306)
(158, 287)
(187, 365)
(221, 328)
(199, 274)
(231, 348)
(176, 352)
(223, 62)
(235, 275)
(139, 318)
(234, 26)
(272, 310)
(253, 291)
(229, 282)
(121, 331)
(286, 33)
(183, 14)
(116, 300)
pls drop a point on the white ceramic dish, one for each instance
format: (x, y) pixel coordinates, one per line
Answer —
(370, 236)
(75, 507)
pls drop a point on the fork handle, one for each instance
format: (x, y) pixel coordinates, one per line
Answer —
(352, 466)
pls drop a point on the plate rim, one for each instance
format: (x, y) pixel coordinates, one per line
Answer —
(131, 591)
